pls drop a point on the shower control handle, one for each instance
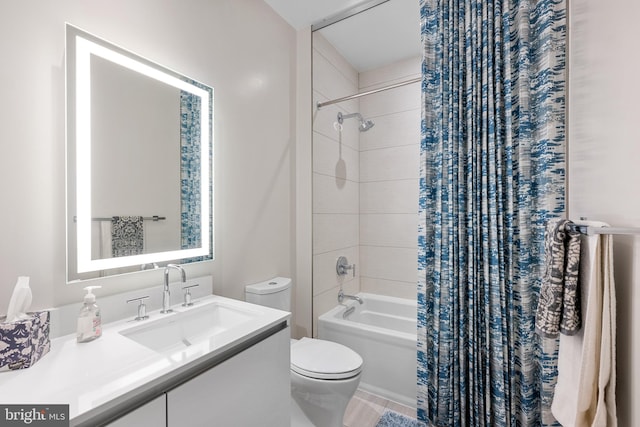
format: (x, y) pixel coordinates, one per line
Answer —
(342, 265)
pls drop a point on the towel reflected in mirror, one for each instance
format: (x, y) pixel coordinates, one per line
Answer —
(127, 235)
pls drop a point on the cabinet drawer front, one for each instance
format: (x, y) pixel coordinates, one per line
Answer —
(250, 389)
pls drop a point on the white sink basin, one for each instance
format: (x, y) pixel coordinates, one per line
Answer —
(170, 333)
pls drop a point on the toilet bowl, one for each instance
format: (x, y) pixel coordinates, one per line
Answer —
(324, 377)
(324, 374)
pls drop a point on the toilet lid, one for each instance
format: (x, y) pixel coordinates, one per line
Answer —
(324, 359)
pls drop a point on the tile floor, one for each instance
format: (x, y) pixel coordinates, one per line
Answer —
(365, 409)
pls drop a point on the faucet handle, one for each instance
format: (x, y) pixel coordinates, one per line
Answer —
(142, 307)
(342, 265)
(187, 295)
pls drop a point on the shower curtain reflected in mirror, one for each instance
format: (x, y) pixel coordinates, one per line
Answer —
(492, 174)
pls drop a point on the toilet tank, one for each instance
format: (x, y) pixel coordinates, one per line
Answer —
(274, 293)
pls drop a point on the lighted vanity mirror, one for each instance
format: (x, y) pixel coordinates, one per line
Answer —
(139, 162)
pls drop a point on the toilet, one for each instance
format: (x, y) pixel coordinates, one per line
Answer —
(324, 374)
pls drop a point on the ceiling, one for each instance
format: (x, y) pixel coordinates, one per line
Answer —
(383, 34)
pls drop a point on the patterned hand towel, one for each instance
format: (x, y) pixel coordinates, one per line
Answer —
(127, 235)
(559, 304)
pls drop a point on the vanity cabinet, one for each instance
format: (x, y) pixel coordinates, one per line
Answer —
(250, 389)
(151, 414)
(222, 362)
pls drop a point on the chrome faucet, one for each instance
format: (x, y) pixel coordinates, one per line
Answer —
(166, 294)
(342, 296)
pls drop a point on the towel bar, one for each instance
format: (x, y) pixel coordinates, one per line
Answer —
(590, 230)
(146, 218)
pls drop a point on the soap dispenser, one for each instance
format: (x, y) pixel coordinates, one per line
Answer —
(89, 322)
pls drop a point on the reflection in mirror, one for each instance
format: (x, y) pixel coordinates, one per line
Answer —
(139, 162)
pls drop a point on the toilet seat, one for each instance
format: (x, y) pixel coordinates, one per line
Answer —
(322, 359)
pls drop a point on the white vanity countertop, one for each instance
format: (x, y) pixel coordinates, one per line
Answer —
(100, 375)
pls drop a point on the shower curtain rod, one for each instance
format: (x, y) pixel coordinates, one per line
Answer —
(369, 92)
(590, 230)
(362, 7)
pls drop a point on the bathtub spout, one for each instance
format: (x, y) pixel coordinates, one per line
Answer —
(342, 296)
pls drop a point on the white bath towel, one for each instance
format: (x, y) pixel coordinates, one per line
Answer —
(585, 391)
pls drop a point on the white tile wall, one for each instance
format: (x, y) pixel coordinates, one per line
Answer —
(397, 196)
(325, 49)
(389, 263)
(336, 174)
(334, 195)
(334, 231)
(391, 163)
(335, 158)
(398, 230)
(400, 99)
(392, 130)
(393, 73)
(388, 287)
(324, 273)
(329, 80)
(389, 172)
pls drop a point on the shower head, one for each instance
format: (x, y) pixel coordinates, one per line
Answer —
(364, 126)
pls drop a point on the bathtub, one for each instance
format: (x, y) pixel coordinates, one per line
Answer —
(383, 331)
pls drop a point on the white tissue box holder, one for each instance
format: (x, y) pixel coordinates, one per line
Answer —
(23, 342)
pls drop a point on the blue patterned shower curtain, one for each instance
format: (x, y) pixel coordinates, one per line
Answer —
(492, 174)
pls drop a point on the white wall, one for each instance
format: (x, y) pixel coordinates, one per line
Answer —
(303, 181)
(335, 177)
(241, 48)
(604, 150)
(389, 173)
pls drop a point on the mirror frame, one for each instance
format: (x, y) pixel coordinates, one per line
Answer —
(80, 45)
